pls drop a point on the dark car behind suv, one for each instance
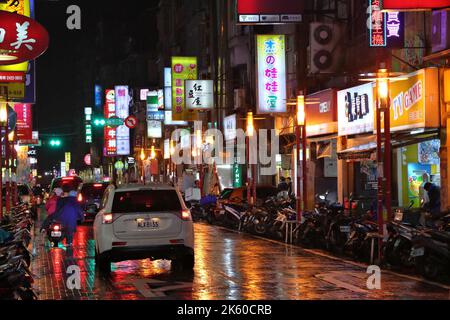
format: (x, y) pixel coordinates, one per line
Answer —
(90, 196)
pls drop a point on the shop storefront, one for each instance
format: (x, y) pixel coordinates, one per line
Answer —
(321, 153)
(357, 169)
(415, 135)
(321, 130)
(414, 138)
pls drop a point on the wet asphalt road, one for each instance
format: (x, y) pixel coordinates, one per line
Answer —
(229, 265)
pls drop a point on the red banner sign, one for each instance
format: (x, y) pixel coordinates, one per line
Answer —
(21, 38)
(11, 76)
(414, 4)
(24, 121)
(270, 7)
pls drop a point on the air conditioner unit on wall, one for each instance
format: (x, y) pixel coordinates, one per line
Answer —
(440, 33)
(325, 50)
(239, 98)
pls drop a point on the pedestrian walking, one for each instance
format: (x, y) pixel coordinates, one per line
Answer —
(50, 206)
(70, 213)
(289, 184)
(282, 186)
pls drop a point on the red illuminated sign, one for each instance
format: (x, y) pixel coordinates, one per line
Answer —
(24, 121)
(12, 76)
(269, 11)
(131, 122)
(377, 25)
(414, 4)
(110, 134)
(21, 38)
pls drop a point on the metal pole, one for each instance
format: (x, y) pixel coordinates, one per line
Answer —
(297, 170)
(304, 167)
(388, 154)
(7, 171)
(249, 180)
(1, 173)
(254, 183)
(15, 191)
(143, 172)
(380, 175)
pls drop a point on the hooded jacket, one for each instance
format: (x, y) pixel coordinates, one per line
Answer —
(69, 212)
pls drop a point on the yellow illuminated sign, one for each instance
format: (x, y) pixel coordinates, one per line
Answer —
(415, 101)
(183, 68)
(21, 7)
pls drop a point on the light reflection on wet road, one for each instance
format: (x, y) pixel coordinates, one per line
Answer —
(229, 265)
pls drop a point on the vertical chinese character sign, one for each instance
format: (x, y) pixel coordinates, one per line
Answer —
(271, 75)
(183, 68)
(377, 25)
(24, 121)
(122, 98)
(88, 123)
(110, 145)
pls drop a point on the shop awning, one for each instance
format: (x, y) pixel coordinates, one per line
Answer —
(367, 151)
(403, 139)
(360, 152)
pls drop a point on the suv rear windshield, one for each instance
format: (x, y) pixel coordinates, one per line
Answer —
(146, 201)
(72, 182)
(93, 190)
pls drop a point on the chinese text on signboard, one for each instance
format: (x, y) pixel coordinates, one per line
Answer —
(271, 74)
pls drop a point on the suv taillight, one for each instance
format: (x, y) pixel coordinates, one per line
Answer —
(186, 215)
(107, 218)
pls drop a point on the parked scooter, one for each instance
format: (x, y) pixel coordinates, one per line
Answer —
(397, 249)
(232, 215)
(431, 254)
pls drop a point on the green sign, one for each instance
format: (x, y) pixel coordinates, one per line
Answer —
(152, 103)
(88, 133)
(119, 165)
(237, 175)
(114, 122)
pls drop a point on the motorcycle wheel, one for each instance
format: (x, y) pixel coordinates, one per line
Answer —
(404, 255)
(55, 244)
(260, 228)
(27, 295)
(428, 267)
(209, 218)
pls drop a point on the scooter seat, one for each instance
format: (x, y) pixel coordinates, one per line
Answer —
(441, 236)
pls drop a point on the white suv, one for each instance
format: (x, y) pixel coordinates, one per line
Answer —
(138, 222)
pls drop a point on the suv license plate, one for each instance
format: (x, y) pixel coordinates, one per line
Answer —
(148, 224)
(417, 252)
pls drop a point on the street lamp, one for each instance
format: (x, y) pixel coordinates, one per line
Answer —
(384, 160)
(142, 156)
(8, 183)
(251, 182)
(300, 134)
(199, 143)
(172, 165)
(3, 129)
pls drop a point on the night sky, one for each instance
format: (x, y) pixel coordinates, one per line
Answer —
(67, 72)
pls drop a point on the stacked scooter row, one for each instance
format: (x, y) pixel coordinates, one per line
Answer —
(16, 279)
(351, 231)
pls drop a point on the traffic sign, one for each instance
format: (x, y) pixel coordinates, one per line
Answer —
(114, 122)
(131, 122)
